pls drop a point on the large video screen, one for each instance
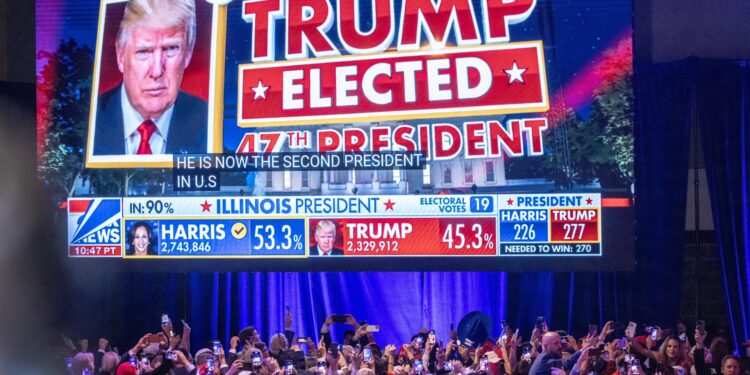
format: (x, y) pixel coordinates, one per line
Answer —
(339, 135)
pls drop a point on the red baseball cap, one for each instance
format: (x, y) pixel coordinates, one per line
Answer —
(126, 369)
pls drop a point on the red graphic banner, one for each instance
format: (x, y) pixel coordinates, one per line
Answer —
(481, 80)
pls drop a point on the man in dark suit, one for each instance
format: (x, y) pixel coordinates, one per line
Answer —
(148, 113)
(325, 236)
(187, 128)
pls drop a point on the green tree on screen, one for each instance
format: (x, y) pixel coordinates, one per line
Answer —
(63, 94)
(612, 112)
(588, 154)
(600, 148)
(63, 98)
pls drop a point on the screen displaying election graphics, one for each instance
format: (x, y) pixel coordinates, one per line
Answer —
(339, 134)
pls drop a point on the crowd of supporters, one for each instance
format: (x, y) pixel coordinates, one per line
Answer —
(615, 349)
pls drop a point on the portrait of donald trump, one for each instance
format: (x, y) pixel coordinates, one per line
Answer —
(147, 112)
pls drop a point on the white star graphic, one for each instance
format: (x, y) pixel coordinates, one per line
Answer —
(260, 90)
(515, 73)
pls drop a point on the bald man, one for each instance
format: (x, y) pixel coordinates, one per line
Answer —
(551, 357)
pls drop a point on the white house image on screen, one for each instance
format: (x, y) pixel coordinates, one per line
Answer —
(458, 173)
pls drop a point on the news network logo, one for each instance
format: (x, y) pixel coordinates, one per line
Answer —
(94, 222)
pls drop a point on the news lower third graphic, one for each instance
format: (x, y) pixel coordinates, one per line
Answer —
(503, 225)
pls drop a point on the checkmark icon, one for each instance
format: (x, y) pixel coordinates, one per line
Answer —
(239, 231)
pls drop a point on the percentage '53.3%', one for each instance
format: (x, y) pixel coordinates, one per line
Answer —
(272, 237)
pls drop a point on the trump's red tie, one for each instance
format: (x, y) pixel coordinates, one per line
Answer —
(146, 129)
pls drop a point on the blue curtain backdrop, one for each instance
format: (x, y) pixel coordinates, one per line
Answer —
(124, 306)
(723, 110)
(670, 99)
(401, 303)
(663, 102)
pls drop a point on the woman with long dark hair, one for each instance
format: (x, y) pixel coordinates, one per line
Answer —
(141, 240)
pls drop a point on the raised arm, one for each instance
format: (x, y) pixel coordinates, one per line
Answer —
(185, 344)
(638, 348)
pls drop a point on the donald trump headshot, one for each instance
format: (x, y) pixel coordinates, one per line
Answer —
(148, 113)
